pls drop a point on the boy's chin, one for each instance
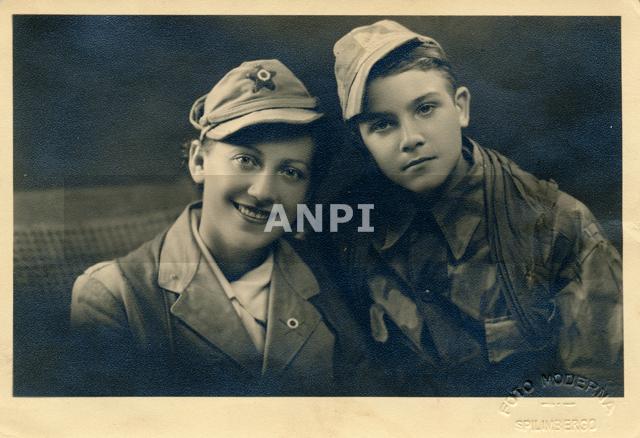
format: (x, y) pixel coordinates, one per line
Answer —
(423, 186)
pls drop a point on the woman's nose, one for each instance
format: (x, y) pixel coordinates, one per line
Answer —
(262, 187)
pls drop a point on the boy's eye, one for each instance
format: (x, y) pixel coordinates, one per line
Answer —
(293, 173)
(245, 161)
(379, 125)
(425, 109)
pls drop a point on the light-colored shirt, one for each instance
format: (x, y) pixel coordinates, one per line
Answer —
(249, 294)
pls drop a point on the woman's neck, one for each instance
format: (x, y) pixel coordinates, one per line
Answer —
(233, 262)
(234, 266)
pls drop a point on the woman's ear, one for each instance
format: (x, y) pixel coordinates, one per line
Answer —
(196, 161)
(462, 101)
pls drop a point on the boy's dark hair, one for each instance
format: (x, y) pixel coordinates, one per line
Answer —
(273, 132)
(415, 55)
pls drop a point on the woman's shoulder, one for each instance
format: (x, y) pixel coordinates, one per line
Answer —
(99, 278)
(106, 279)
(97, 295)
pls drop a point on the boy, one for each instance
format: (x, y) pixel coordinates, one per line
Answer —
(480, 277)
(216, 305)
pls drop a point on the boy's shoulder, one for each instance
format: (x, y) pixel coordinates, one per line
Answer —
(569, 217)
(497, 165)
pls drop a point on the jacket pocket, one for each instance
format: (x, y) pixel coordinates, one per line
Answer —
(503, 338)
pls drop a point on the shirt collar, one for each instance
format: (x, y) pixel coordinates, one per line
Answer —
(255, 280)
(458, 211)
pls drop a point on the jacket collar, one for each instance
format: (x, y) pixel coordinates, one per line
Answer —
(180, 254)
(180, 257)
(458, 212)
(203, 305)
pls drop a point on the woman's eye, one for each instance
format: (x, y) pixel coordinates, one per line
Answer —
(425, 109)
(293, 173)
(245, 161)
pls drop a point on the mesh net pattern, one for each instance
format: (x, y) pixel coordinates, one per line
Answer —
(50, 257)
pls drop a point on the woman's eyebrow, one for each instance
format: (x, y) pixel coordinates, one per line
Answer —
(248, 147)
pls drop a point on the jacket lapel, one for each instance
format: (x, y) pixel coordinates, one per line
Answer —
(202, 303)
(292, 319)
(205, 307)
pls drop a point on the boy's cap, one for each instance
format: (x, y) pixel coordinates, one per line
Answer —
(359, 50)
(262, 91)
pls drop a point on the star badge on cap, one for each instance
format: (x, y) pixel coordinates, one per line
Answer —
(263, 78)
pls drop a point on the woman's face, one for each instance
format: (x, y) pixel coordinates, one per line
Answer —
(241, 185)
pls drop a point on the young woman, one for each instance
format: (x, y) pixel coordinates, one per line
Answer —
(216, 305)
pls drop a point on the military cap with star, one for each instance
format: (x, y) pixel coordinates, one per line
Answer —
(262, 91)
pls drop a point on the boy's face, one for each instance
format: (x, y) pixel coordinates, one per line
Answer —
(241, 184)
(412, 126)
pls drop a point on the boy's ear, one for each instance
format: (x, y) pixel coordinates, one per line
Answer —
(462, 101)
(196, 161)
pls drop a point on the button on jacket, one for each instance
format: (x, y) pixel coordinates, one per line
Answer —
(157, 322)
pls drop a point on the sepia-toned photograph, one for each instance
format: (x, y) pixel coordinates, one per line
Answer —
(405, 206)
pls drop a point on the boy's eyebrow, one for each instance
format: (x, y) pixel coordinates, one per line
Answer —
(425, 96)
(370, 116)
(366, 117)
(293, 160)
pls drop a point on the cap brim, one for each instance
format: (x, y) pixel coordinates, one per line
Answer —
(294, 116)
(356, 92)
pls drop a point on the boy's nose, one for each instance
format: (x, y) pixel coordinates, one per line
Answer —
(411, 137)
(262, 187)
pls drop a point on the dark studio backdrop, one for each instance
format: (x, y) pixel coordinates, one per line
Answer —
(101, 107)
(102, 100)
